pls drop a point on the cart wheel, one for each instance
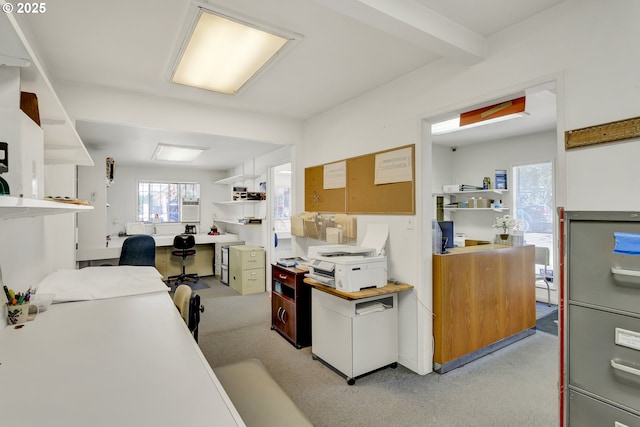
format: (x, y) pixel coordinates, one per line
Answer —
(394, 365)
(298, 346)
(351, 381)
(314, 357)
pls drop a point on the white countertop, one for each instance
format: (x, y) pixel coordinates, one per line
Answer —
(112, 250)
(119, 361)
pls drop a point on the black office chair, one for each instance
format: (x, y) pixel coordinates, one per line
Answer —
(184, 247)
(138, 250)
(188, 304)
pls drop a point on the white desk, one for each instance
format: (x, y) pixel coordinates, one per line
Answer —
(127, 361)
(112, 250)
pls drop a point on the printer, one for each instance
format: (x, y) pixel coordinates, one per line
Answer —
(351, 268)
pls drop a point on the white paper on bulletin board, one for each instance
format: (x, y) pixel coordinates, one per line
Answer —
(394, 166)
(335, 175)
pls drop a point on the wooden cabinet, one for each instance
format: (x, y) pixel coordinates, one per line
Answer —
(602, 335)
(291, 305)
(483, 299)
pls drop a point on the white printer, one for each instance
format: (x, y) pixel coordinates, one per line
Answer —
(351, 268)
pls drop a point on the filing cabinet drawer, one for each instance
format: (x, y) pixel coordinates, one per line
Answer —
(245, 257)
(249, 281)
(585, 411)
(596, 363)
(591, 261)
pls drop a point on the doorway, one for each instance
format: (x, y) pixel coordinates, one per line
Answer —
(280, 212)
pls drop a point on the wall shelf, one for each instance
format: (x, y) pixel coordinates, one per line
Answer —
(239, 202)
(62, 144)
(492, 191)
(235, 178)
(17, 207)
(233, 222)
(477, 209)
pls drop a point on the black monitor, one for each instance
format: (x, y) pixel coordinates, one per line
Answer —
(447, 233)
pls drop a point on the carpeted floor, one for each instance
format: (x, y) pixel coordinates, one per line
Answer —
(516, 385)
(548, 323)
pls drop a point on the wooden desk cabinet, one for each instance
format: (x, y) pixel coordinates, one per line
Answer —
(483, 299)
(291, 305)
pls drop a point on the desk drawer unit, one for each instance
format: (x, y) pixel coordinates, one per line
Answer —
(291, 305)
(602, 337)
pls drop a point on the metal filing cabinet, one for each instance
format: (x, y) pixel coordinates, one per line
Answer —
(247, 269)
(603, 321)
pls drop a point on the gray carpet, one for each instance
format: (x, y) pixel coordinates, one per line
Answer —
(548, 323)
(517, 385)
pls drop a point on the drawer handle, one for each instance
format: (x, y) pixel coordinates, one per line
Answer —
(624, 272)
(624, 368)
(282, 276)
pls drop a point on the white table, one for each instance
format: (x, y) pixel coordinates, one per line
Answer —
(126, 361)
(114, 246)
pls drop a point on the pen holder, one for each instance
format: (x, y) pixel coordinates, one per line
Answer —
(21, 313)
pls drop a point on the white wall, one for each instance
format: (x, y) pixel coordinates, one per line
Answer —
(469, 163)
(565, 44)
(122, 194)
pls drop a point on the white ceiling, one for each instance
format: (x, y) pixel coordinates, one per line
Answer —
(348, 47)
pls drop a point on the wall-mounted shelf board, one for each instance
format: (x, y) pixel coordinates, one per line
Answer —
(239, 202)
(17, 207)
(477, 209)
(233, 222)
(235, 178)
(494, 191)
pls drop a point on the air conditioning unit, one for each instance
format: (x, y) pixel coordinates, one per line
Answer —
(190, 210)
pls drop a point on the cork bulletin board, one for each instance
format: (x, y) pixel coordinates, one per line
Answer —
(319, 199)
(362, 195)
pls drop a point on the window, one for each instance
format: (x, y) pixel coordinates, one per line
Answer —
(533, 203)
(161, 200)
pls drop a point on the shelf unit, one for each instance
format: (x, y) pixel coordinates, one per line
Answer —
(251, 203)
(62, 144)
(17, 207)
(476, 192)
(291, 305)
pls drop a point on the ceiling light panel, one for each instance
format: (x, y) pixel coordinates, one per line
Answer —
(222, 54)
(176, 153)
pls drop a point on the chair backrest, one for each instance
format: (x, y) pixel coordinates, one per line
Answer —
(542, 256)
(138, 250)
(182, 299)
(188, 303)
(184, 241)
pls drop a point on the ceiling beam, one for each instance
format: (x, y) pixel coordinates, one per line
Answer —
(417, 24)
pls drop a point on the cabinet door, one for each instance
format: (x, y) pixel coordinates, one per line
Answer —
(283, 315)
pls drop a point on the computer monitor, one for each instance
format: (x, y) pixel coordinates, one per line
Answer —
(447, 233)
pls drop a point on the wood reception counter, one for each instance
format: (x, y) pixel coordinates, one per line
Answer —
(483, 300)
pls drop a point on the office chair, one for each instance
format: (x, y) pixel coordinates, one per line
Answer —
(188, 304)
(542, 258)
(183, 245)
(138, 250)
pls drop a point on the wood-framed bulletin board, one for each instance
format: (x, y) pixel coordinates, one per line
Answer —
(377, 183)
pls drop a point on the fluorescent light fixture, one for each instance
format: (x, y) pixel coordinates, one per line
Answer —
(453, 125)
(176, 153)
(222, 54)
(283, 172)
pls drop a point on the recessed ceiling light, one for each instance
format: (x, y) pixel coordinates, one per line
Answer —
(222, 53)
(176, 153)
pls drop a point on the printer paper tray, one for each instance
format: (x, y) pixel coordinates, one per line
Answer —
(329, 281)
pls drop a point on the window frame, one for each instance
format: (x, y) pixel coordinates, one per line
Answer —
(167, 212)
